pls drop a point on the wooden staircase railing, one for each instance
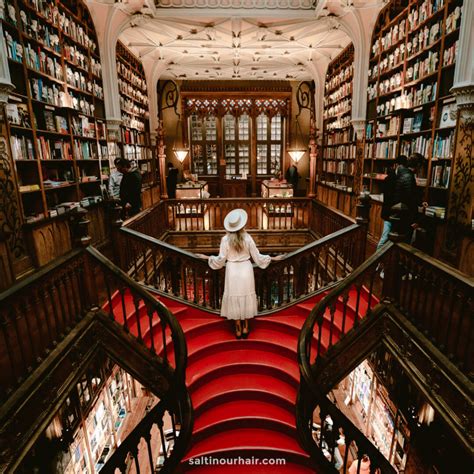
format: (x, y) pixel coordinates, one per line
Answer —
(38, 313)
(431, 297)
(176, 272)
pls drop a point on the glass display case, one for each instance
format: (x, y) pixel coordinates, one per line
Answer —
(274, 188)
(192, 190)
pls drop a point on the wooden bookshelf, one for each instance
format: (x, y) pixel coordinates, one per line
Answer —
(336, 168)
(135, 129)
(411, 72)
(56, 119)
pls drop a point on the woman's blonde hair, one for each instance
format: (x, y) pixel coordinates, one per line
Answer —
(236, 239)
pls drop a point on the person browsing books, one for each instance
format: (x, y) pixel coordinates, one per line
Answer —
(115, 180)
(130, 188)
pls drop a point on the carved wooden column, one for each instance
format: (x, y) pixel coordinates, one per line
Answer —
(313, 155)
(359, 135)
(12, 245)
(363, 214)
(253, 153)
(161, 152)
(461, 189)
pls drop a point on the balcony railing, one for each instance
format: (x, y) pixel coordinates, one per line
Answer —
(436, 299)
(42, 310)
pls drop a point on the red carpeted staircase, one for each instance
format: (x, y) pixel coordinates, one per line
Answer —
(244, 391)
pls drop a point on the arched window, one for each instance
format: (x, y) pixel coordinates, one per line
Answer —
(237, 144)
(203, 144)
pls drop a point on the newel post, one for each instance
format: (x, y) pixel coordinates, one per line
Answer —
(362, 218)
(80, 228)
(116, 223)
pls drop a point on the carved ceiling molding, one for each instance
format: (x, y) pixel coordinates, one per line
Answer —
(241, 4)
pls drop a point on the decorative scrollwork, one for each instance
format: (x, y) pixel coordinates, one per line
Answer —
(461, 190)
(168, 97)
(305, 97)
(10, 221)
(222, 106)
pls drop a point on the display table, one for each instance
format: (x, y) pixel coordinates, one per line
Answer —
(274, 188)
(277, 189)
(191, 190)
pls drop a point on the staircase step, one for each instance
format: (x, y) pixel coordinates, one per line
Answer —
(247, 439)
(242, 383)
(194, 381)
(233, 358)
(244, 409)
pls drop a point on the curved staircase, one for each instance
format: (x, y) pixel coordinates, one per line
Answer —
(244, 391)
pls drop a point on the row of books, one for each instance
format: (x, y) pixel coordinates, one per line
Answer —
(342, 76)
(39, 60)
(14, 47)
(440, 176)
(338, 137)
(341, 167)
(386, 149)
(133, 137)
(133, 152)
(387, 131)
(419, 144)
(413, 124)
(449, 54)
(422, 67)
(85, 150)
(17, 114)
(422, 12)
(393, 36)
(338, 109)
(54, 123)
(341, 152)
(343, 91)
(50, 149)
(443, 146)
(424, 38)
(22, 147)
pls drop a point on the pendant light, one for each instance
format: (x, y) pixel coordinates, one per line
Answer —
(179, 148)
(296, 152)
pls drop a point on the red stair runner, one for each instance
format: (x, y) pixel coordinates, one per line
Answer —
(244, 391)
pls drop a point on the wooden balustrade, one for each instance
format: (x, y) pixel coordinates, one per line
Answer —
(173, 271)
(434, 297)
(38, 312)
(264, 214)
(437, 299)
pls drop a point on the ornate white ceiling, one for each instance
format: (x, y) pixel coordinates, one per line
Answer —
(278, 43)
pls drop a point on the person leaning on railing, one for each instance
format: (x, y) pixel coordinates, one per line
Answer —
(239, 302)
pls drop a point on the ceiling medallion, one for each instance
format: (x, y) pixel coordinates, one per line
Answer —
(262, 4)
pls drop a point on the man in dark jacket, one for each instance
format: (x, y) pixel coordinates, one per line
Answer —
(171, 180)
(399, 187)
(292, 176)
(130, 189)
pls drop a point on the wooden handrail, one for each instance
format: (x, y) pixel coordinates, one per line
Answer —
(410, 277)
(174, 271)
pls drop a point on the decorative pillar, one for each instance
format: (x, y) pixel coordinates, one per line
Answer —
(161, 147)
(313, 154)
(359, 137)
(461, 190)
(80, 228)
(12, 247)
(363, 216)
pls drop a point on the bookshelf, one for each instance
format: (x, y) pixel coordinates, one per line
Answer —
(336, 168)
(135, 143)
(411, 72)
(56, 119)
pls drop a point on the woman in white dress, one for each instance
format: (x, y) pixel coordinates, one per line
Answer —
(239, 301)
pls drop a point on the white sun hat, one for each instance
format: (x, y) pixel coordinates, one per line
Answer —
(235, 220)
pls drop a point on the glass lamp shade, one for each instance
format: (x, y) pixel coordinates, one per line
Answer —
(181, 154)
(296, 155)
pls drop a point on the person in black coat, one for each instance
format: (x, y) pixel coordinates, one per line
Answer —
(292, 176)
(130, 189)
(171, 180)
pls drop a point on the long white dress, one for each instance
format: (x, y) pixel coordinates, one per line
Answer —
(239, 300)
